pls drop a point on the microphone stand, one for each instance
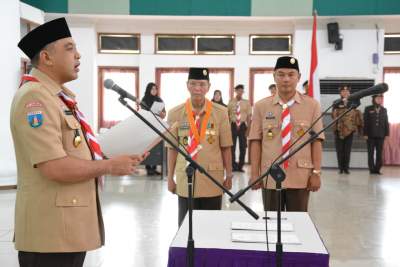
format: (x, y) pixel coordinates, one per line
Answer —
(276, 172)
(190, 170)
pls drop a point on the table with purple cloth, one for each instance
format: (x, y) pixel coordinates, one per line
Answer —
(214, 246)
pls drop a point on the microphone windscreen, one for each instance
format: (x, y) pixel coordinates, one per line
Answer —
(108, 83)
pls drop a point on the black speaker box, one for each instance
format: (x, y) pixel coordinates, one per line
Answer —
(333, 32)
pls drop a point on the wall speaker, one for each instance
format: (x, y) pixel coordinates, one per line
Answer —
(333, 32)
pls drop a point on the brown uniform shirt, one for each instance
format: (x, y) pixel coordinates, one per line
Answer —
(218, 135)
(245, 110)
(266, 127)
(51, 216)
(349, 123)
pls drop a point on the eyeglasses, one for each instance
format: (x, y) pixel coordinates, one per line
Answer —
(200, 84)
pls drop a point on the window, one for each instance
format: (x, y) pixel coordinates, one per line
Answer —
(111, 111)
(271, 44)
(173, 90)
(392, 78)
(260, 80)
(392, 44)
(175, 44)
(224, 44)
(195, 44)
(119, 43)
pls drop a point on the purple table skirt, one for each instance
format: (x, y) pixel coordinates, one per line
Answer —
(205, 257)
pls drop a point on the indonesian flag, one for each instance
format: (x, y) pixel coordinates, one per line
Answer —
(313, 81)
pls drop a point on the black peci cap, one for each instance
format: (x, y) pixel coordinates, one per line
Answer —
(287, 63)
(43, 35)
(199, 74)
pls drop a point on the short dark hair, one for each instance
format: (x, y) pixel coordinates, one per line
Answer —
(239, 86)
(305, 83)
(344, 87)
(35, 59)
(271, 86)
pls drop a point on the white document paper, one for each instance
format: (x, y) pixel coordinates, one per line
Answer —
(286, 238)
(131, 136)
(157, 107)
(253, 226)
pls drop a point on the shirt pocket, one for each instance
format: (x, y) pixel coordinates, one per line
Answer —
(74, 195)
(300, 128)
(73, 137)
(305, 163)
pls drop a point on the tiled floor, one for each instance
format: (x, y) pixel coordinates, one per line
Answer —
(357, 215)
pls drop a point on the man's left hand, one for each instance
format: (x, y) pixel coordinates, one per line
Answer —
(228, 183)
(314, 183)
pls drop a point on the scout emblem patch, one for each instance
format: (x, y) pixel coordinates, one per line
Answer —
(270, 116)
(35, 119)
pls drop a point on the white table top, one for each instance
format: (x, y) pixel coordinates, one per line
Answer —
(212, 229)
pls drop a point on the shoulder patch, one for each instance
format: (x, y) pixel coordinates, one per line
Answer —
(35, 118)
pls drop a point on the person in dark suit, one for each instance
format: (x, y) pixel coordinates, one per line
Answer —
(376, 128)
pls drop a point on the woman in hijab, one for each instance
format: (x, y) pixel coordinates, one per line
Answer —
(150, 97)
(217, 98)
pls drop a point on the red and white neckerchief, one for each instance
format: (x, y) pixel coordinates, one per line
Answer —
(193, 146)
(27, 78)
(286, 129)
(91, 140)
(238, 118)
(197, 133)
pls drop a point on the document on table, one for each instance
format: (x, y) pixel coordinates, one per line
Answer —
(256, 226)
(256, 237)
(131, 136)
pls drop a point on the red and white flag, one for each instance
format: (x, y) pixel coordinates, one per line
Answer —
(313, 81)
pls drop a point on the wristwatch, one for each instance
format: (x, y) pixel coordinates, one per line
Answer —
(317, 172)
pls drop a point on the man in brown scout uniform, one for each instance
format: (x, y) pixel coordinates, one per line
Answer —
(57, 212)
(239, 111)
(344, 129)
(277, 121)
(202, 128)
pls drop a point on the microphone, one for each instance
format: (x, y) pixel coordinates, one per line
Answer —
(374, 90)
(110, 84)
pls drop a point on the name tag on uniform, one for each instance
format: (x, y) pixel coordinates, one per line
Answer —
(68, 112)
(184, 126)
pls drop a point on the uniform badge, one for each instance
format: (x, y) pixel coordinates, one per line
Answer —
(77, 138)
(210, 139)
(35, 119)
(300, 132)
(270, 134)
(270, 116)
(33, 104)
(205, 72)
(185, 140)
(292, 60)
(184, 126)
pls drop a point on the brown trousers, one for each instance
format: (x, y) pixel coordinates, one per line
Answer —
(292, 199)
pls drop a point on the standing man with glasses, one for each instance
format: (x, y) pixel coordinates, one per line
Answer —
(277, 122)
(202, 128)
(239, 111)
